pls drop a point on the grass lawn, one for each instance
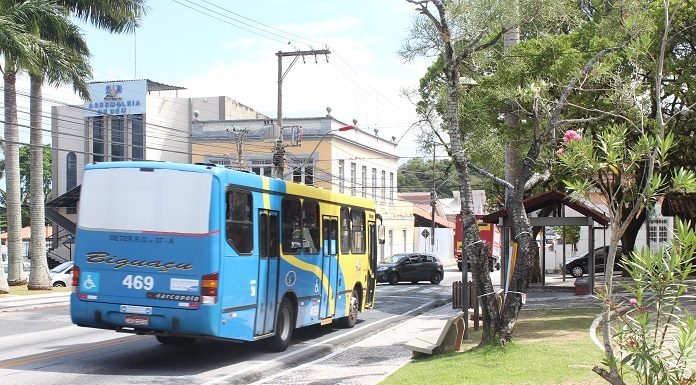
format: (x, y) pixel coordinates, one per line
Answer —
(23, 290)
(549, 347)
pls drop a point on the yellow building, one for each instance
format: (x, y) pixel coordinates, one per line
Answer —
(322, 152)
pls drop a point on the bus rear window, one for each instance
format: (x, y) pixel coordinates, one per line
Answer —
(126, 199)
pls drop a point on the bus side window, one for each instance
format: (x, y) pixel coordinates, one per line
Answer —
(358, 230)
(345, 230)
(238, 221)
(291, 225)
(310, 227)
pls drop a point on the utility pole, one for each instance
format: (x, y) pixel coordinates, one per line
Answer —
(433, 202)
(239, 136)
(279, 149)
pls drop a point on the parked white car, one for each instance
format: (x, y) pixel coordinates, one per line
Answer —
(61, 275)
(26, 267)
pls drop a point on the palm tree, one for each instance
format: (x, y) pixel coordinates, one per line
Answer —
(67, 64)
(20, 49)
(114, 16)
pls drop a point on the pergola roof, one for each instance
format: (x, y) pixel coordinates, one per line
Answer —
(551, 199)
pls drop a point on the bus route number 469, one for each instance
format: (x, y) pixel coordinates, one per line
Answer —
(138, 282)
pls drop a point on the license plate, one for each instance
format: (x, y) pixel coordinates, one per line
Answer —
(137, 320)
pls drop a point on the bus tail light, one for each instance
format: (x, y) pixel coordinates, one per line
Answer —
(75, 279)
(209, 288)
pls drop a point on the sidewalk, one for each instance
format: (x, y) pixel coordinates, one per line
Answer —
(9, 302)
(383, 353)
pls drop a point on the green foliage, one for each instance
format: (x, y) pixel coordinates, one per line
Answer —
(25, 172)
(572, 234)
(552, 347)
(655, 335)
(610, 163)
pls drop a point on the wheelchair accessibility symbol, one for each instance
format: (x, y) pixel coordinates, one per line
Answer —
(90, 283)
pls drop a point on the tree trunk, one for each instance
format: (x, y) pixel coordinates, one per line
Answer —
(471, 238)
(15, 254)
(522, 234)
(608, 287)
(39, 278)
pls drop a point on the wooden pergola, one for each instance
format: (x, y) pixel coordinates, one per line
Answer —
(556, 201)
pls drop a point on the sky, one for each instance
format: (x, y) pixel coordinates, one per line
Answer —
(217, 47)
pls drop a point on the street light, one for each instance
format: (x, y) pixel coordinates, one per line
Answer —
(340, 129)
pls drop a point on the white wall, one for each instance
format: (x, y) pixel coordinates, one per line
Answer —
(70, 137)
(443, 247)
(167, 129)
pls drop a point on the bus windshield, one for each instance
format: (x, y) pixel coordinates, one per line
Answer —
(135, 199)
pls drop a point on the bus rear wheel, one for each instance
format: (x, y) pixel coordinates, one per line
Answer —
(171, 340)
(283, 327)
(352, 318)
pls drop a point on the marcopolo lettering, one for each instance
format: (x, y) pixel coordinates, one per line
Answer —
(118, 262)
(174, 297)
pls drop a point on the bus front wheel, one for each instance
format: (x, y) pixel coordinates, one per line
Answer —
(283, 327)
(352, 318)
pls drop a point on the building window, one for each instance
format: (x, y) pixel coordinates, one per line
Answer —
(374, 183)
(71, 176)
(138, 138)
(98, 139)
(309, 175)
(262, 167)
(302, 172)
(118, 139)
(391, 187)
(384, 186)
(341, 175)
(353, 176)
(658, 230)
(404, 233)
(297, 174)
(391, 241)
(71, 171)
(364, 181)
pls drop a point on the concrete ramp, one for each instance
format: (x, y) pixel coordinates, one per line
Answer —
(438, 335)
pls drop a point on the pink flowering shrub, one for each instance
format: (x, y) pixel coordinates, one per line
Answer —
(571, 135)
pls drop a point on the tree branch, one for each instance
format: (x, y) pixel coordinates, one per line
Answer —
(422, 7)
(563, 99)
(579, 120)
(536, 178)
(607, 113)
(483, 172)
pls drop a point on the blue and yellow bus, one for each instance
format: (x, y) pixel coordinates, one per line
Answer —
(200, 251)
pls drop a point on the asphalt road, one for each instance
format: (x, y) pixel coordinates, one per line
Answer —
(42, 346)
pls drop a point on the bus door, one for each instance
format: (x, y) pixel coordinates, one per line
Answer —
(269, 253)
(372, 254)
(329, 263)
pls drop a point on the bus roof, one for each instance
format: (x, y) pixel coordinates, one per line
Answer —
(243, 179)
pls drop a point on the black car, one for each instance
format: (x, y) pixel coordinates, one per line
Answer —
(410, 267)
(577, 267)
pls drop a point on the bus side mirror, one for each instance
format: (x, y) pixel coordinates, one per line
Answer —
(380, 234)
